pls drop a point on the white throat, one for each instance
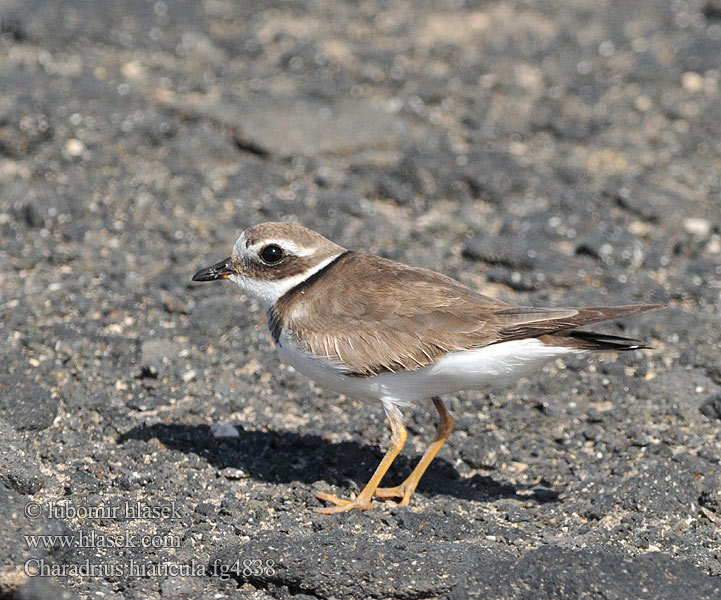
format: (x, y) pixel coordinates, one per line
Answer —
(268, 292)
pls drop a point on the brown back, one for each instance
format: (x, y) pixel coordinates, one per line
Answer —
(374, 315)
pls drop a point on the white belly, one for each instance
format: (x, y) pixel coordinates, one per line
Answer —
(463, 370)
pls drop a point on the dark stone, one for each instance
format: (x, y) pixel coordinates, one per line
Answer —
(312, 564)
(712, 10)
(26, 405)
(16, 469)
(482, 452)
(493, 175)
(655, 488)
(559, 573)
(398, 191)
(75, 232)
(31, 217)
(712, 408)
(499, 251)
(12, 28)
(710, 497)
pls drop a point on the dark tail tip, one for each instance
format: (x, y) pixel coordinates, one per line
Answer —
(590, 340)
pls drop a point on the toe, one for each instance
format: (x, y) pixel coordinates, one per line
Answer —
(331, 498)
(340, 504)
(330, 510)
(392, 492)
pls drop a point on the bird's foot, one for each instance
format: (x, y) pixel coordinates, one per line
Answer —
(341, 505)
(399, 491)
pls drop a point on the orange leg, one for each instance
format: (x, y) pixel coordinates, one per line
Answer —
(364, 500)
(405, 490)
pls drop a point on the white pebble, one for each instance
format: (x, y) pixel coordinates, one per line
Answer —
(697, 226)
(226, 430)
(74, 147)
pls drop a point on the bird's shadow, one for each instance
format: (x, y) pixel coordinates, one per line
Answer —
(285, 457)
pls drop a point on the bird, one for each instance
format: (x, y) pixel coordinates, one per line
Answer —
(381, 331)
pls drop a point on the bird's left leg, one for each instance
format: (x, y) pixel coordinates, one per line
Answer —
(405, 490)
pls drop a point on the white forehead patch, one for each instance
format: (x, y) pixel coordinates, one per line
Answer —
(239, 246)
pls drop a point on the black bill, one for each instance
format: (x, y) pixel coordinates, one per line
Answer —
(220, 270)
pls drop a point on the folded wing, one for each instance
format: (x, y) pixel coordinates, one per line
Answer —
(391, 317)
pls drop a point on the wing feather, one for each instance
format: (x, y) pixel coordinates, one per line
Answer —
(388, 317)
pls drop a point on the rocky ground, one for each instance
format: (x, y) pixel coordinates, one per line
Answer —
(542, 152)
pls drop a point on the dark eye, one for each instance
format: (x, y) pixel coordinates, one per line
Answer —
(271, 254)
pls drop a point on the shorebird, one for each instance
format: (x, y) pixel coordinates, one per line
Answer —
(379, 330)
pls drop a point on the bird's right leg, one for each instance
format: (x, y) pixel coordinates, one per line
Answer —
(364, 500)
(405, 490)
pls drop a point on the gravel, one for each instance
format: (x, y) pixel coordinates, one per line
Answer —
(542, 153)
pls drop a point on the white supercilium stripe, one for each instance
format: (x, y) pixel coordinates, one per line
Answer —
(287, 245)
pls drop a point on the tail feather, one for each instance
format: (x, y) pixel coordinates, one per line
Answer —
(590, 340)
(602, 341)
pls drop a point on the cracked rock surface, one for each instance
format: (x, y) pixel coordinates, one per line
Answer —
(543, 153)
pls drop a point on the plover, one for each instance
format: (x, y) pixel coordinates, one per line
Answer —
(378, 330)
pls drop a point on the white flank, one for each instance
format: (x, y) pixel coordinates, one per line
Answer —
(268, 292)
(493, 365)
